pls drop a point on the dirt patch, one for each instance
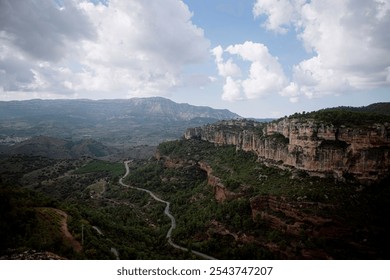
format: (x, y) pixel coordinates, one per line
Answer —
(62, 219)
(67, 235)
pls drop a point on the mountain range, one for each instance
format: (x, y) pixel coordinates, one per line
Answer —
(122, 122)
(153, 107)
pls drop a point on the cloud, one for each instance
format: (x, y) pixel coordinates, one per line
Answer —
(225, 69)
(124, 48)
(292, 92)
(35, 36)
(279, 13)
(264, 76)
(231, 90)
(14, 74)
(349, 40)
(42, 29)
(142, 46)
(314, 79)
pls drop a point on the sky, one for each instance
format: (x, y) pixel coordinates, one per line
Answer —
(258, 58)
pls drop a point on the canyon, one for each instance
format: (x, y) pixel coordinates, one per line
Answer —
(349, 157)
(294, 188)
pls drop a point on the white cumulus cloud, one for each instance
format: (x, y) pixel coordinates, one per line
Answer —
(123, 48)
(349, 40)
(292, 92)
(225, 69)
(264, 76)
(280, 14)
(232, 90)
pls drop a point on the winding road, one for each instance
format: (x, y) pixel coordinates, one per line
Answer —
(167, 213)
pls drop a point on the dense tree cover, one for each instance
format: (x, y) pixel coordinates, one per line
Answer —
(22, 223)
(242, 174)
(134, 224)
(194, 206)
(131, 222)
(112, 170)
(345, 116)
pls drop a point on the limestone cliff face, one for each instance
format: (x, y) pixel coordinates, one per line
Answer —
(319, 149)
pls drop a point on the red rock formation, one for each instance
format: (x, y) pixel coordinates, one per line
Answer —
(220, 191)
(296, 217)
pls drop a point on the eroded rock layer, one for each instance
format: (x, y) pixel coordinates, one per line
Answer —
(344, 152)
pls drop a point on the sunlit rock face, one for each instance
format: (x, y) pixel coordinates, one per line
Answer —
(344, 152)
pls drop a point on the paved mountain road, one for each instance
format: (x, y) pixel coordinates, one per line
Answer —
(167, 213)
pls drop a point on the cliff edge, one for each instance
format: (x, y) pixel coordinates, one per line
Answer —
(346, 152)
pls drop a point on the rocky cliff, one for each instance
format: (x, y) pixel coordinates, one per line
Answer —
(345, 152)
(284, 214)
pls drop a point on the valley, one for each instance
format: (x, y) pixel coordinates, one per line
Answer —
(116, 123)
(307, 186)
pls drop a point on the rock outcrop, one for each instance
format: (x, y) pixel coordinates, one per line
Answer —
(221, 193)
(296, 218)
(345, 152)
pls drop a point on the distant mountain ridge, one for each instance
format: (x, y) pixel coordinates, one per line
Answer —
(156, 107)
(116, 122)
